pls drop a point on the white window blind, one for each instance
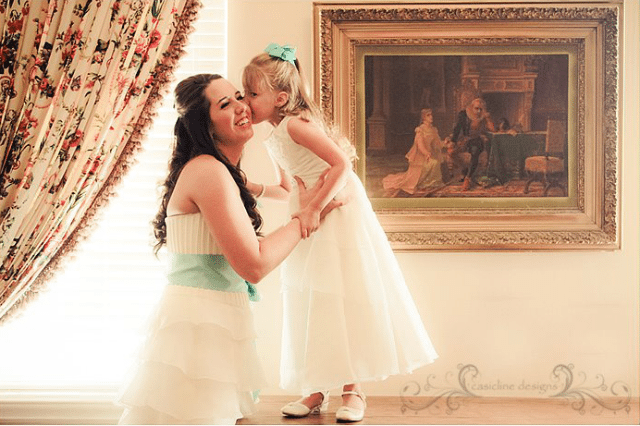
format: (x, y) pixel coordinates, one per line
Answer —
(84, 331)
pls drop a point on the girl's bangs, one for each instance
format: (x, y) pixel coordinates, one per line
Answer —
(254, 77)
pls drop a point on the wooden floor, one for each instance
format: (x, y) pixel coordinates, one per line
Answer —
(480, 410)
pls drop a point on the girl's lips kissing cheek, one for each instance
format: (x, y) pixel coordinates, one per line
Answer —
(253, 115)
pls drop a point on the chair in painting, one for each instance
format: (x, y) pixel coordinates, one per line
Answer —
(549, 167)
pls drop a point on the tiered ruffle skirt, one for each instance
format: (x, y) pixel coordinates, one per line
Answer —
(199, 364)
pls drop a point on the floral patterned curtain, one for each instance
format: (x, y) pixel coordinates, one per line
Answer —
(79, 84)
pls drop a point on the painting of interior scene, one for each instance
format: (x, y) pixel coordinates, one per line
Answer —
(466, 126)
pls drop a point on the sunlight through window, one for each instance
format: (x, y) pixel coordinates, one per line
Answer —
(85, 330)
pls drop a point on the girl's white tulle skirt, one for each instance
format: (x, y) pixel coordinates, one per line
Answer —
(348, 315)
(199, 364)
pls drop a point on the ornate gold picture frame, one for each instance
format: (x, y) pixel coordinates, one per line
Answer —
(552, 70)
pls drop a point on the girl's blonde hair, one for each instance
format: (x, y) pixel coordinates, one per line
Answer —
(272, 73)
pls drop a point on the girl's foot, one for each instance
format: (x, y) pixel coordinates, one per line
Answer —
(314, 403)
(353, 404)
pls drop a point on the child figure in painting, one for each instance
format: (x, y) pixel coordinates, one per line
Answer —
(424, 172)
(348, 315)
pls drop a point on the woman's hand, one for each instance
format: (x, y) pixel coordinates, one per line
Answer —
(310, 218)
(309, 221)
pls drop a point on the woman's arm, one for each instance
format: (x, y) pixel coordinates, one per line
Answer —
(219, 202)
(206, 185)
(314, 138)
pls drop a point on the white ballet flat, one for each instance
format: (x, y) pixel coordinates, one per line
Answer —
(298, 409)
(348, 414)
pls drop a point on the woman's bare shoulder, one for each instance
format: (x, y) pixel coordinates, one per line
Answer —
(204, 166)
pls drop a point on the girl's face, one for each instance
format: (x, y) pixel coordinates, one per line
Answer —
(230, 115)
(427, 117)
(263, 103)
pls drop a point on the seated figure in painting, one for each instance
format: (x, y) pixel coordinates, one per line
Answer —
(424, 172)
(470, 134)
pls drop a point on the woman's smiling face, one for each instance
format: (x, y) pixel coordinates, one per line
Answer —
(230, 115)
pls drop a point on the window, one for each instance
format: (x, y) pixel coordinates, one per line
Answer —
(85, 331)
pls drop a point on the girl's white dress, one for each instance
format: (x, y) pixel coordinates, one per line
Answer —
(199, 364)
(348, 315)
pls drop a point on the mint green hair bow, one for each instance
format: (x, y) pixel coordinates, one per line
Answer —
(286, 52)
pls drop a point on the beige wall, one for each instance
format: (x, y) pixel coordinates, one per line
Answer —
(514, 315)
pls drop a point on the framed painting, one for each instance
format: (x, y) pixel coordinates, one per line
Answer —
(478, 127)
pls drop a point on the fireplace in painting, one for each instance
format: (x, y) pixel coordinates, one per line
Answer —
(528, 90)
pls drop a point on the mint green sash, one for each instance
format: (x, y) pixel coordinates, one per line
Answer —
(208, 271)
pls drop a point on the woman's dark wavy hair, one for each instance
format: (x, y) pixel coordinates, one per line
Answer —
(193, 137)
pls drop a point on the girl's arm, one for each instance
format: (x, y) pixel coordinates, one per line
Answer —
(220, 203)
(314, 138)
(276, 192)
